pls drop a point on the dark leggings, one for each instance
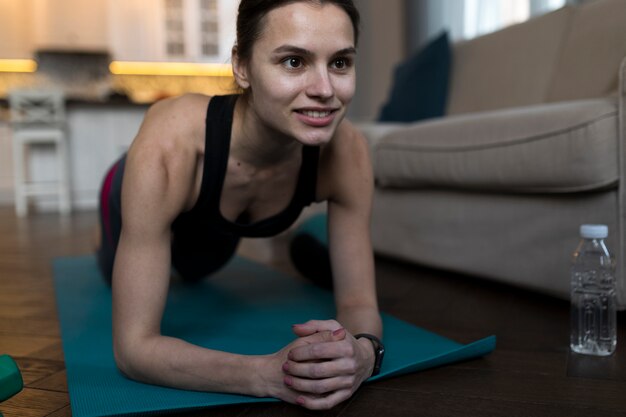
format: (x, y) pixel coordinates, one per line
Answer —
(310, 257)
(194, 254)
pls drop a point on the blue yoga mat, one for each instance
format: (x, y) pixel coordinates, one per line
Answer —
(245, 308)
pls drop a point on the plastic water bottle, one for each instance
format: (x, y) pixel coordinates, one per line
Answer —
(593, 302)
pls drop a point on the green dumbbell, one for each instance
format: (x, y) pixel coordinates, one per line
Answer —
(10, 378)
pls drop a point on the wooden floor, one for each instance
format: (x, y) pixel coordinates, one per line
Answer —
(531, 373)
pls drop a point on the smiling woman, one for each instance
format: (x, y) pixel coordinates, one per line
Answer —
(205, 171)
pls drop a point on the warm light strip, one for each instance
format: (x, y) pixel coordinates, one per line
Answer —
(170, 68)
(18, 65)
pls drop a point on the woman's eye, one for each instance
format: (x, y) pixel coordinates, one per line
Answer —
(341, 63)
(292, 62)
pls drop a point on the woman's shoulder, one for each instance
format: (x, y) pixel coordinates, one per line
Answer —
(344, 162)
(347, 141)
(182, 110)
(173, 119)
(165, 152)
(172, 131)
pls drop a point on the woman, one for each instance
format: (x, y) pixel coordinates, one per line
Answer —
(203, 172)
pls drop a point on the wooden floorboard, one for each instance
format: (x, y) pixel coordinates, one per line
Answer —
(531, 372)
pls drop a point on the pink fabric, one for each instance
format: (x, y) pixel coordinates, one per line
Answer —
(104, 199)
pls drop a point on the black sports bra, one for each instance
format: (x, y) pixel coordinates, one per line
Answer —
(219, 121)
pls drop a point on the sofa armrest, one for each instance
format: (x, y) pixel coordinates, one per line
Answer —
(374, 132)
(548, 148)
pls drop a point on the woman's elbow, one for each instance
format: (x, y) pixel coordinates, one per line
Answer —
(125, 355)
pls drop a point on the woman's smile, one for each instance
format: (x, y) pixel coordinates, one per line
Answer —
(316, 117)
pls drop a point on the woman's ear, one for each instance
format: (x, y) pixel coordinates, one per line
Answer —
(240, 70)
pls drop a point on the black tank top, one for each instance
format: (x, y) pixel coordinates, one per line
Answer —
(219, 121)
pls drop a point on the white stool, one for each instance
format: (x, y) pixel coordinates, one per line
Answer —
(38, 118)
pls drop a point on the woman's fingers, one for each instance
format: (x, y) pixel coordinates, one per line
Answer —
(318, 338)
(319, 370)
(319, 386)
(314, 326)
(323, 367)
(314, 402)
(323, 350)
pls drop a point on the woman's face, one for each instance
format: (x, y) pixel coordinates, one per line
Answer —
(301, 73)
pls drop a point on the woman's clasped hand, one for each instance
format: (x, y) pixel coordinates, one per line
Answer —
(324, 366)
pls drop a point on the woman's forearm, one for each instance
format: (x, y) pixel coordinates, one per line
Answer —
(360, 319)
(172, 362)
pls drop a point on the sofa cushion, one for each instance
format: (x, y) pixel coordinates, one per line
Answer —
(550, 148)
(420, 84)
(594, 47)
(508, 68)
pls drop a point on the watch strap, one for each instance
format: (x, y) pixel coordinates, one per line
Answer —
(379, 351)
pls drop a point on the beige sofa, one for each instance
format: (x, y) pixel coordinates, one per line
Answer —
(532, 147)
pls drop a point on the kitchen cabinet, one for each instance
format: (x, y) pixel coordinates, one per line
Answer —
(147, 30)
(136, 30)
(29, 25)
(69, 24)
(15, 32)
(132, 30)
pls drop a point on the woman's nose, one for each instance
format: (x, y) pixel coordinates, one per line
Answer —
(320, 84)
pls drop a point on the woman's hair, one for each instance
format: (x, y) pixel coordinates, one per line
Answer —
(251, 14)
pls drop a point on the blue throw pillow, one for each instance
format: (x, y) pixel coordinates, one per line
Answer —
(420, 85)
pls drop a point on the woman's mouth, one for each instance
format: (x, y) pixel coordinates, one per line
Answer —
(316, 118)
(316, 114)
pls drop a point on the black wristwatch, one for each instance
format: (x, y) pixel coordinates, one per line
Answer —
(379, 351)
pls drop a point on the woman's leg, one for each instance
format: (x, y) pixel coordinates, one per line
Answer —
(308, 250)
